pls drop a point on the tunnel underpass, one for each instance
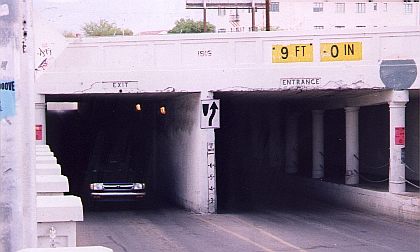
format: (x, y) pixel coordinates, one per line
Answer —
(252, 144)
(126, 138)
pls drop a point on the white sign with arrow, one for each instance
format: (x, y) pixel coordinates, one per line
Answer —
(210, 114)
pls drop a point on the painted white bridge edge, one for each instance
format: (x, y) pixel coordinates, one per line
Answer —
(235, 62)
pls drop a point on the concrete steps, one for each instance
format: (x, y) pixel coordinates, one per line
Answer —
(57, 214)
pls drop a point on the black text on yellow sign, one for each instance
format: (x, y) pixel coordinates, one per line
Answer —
(292, 53)
(344, 51)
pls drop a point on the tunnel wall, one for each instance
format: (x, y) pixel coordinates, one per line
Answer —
(180, 162)
(412, 139)
(374, 140)
(250, 152)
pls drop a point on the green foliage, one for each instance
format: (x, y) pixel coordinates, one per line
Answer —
(69, 34)
(104, 28)
(191, 26)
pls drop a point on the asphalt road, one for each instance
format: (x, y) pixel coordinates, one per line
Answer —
(304, 226)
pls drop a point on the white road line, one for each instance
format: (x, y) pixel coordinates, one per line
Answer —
(236, 235)
(271, 235)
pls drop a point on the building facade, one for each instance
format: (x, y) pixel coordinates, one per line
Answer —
(305, 15)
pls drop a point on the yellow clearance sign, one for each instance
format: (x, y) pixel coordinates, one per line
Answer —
(292, 53)
(344, 51)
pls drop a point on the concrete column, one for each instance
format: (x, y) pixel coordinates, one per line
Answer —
(40, 120)
(352, 145)
(317, 144)
(208, 142)
(397, 141)
(17, 146)
(292, 143)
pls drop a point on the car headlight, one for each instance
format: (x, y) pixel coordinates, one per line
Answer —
(139, 186)
(97, 186)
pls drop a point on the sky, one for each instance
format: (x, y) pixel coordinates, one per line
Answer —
(137, 15)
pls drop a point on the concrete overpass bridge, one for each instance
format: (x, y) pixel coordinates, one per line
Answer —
(322, 104)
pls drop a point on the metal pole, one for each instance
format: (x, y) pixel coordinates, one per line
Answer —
(205, 20)
(267, 15)
(253, 19)
(17, 183)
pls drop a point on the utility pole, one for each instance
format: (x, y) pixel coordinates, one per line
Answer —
(205, 16)
(253, 15)
(17, 155)
(267, 15)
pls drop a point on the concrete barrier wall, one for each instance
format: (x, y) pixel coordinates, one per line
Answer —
(405, 207)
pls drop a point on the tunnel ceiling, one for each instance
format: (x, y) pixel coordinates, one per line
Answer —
(294, 95)
(116, 96)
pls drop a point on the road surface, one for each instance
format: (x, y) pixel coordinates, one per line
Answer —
(304, 226)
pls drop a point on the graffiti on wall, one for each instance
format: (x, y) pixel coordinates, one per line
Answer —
(44, 54)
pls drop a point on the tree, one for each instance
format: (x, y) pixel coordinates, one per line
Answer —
(69, 34)
(191, 26)
(104, 28)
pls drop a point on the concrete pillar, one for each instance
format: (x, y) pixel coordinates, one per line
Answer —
(17, 154)
(292, 143)
(40, 119)
(317, 144)
(208, 141)
(397, 141)
(352, 146)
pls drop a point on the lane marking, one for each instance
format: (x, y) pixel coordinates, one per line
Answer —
(236, 235)
(271, 235)
(330, 229)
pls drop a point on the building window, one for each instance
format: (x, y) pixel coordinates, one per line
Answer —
(361, 7)
(340, 26)
(360, 26)
(385, 7)
(340, 7)
(318, 27)
(375, 6)
(274, 7)
(318, 7)
(408, 8)
(221, 12)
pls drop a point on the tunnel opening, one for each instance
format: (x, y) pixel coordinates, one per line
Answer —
(115, 140)
(252, 143)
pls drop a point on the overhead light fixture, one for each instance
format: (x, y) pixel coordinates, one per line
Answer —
(162, 110)
(138, 107)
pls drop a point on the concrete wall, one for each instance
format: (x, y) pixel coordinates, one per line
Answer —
(181, 156)
(192, 63)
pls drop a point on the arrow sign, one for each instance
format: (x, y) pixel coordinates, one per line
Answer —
(213, 109)
(210, 114)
